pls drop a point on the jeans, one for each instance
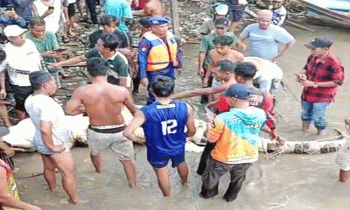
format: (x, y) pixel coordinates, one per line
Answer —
(314, 112)
(269, 85)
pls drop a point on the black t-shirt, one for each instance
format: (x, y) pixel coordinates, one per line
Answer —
(124, 38)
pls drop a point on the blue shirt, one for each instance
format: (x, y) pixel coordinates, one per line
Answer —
(264, 43)
(164, 126)
(121, 9)
(6, 21)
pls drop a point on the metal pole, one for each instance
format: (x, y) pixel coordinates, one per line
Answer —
(174, 8)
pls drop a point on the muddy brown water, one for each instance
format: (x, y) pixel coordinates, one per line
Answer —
(281, 182)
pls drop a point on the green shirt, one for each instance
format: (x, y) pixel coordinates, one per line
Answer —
(207, 44)
(48, 43)
(117, 63)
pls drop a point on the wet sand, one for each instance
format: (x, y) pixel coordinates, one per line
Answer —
(282, 182)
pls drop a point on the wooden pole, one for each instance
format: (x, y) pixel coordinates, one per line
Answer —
(174, 8)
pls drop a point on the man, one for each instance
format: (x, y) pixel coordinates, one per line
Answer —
(106, 49)
(206, 45)
(323, 74)
(47, 44)
(236, 11)
(23, 8)
(157, 52)
(152, 8)
(164, 122)
(220, 11)
(110, 25)
(12, 18)
(120, 9)
(279, 13)
(222, 51)
(236, 136)
(103, 103)
(264, 38)
(22, 58)
(51, 136)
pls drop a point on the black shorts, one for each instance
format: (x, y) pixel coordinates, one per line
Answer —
(235, 12)
(21, 93)
(71, 9)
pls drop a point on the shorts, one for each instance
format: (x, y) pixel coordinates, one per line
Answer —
(235, 12)
(21, 93)
(71, 9)
(101, 137)
(160, 160)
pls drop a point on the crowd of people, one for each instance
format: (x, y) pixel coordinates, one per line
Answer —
(241, 90)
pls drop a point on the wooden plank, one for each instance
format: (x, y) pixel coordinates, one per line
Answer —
(174, 8)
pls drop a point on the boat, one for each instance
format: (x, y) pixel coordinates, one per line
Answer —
(329, 12)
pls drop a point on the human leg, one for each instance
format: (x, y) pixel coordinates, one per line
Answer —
(91, 4)
(92, 139)
(163, 180)
(66, 166)
(306, 115)
(319, 115)
(49, 171)
(4, 115)
(211, 177)
(130, 171)
(344, 176)
(97, 162)
(237, 178)
(182, 170)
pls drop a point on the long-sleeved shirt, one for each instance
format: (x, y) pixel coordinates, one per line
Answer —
(5, 21)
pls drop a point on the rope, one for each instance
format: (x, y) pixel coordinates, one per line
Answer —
(278, 205)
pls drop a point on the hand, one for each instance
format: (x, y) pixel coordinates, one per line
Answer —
(144, 81)
(54, 65)
(178, 71)
(11, 14)
(273, 134)
(58, 148)
(201, 72)
(3, 94)
(302, 77)
(205, 82)
(49, 54)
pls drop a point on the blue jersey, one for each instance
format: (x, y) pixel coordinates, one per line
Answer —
(164, 126)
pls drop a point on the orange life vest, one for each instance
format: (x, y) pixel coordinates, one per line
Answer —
(160, 55)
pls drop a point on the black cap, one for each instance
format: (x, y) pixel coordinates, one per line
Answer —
(319, 42)
(238, 91)
(144, 21)
(222, 21)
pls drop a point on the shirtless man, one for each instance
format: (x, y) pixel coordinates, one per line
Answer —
(152, 8)
(103, 103)
(222, 51)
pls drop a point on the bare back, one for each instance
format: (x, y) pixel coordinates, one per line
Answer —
(103, 103)
(154, 8)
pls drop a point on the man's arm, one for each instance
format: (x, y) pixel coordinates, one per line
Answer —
(46, 135)
(70, 61)
(143, 51)
(191, 127)
(129, 103)
(75, 106)
(2, 86)
(136, 122)
(201, 58)
(202, 91)
(214, 129)
(286, 48)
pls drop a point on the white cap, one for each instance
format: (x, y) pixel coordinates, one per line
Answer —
(13, 30)
(221, 9)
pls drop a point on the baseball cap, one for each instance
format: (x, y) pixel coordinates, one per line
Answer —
(144, 21)
(221, 9)
(238, 91)
(157, 20)
(13, 30)
(222, 21)
(319, 42)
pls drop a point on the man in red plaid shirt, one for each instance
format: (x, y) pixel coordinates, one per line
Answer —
(322, 75)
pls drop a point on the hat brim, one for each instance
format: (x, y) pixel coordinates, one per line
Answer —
(17, 34)
(310, 46)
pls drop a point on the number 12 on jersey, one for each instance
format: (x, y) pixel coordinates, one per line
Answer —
(169, 127)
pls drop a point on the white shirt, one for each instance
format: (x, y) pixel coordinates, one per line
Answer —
(43, 108)
(265, 68)
(20, 62)
(52, 21)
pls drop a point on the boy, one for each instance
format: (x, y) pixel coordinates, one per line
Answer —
(163, 122)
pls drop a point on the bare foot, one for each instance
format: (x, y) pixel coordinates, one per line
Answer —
(77, 201)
